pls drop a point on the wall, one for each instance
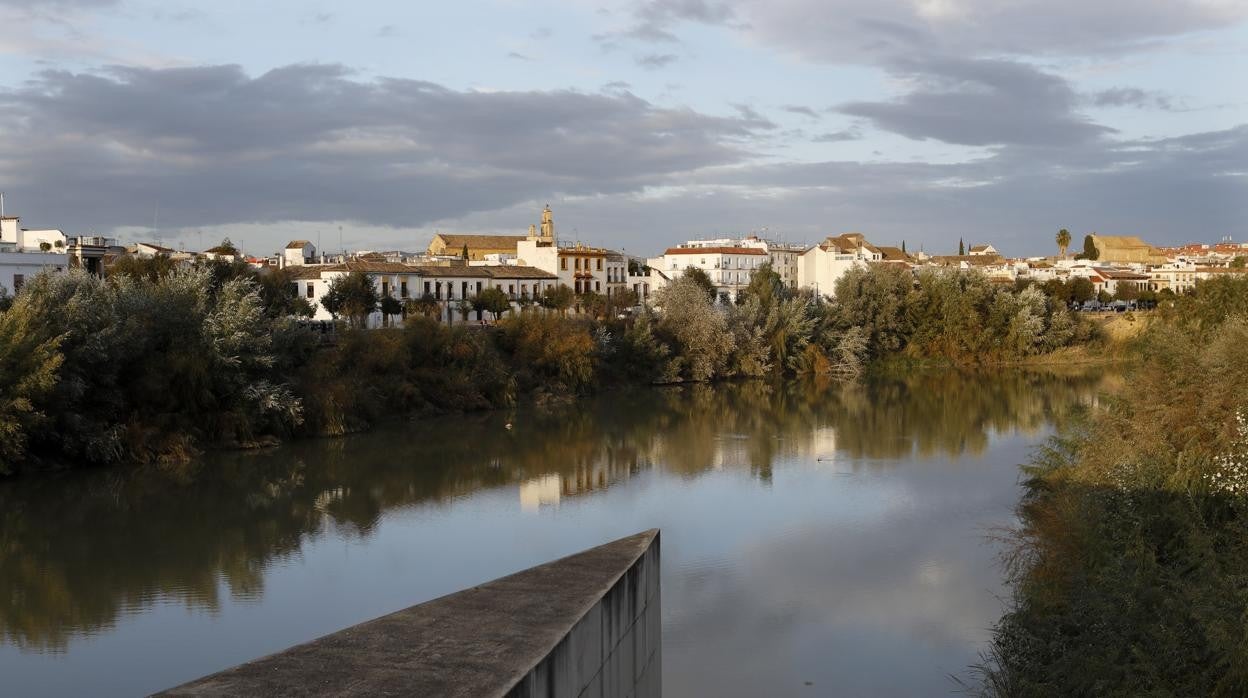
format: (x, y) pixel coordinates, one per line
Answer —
(584, 625)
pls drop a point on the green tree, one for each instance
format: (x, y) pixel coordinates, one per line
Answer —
(903, 247)
(766, 286)
(353, 296)
(558, 297)
(961, 247)
(279, 295)
(1081, 289)
(492, 300)
(1089, 249)
(389, 306)
(150, 268)
(1239, 262)
(697, 330)
(464, 253)
(701, 279)
(1063, 241)
(425, 306)
(29, 363)
(45, 247)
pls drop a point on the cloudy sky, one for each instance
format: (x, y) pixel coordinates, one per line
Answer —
(642, 122)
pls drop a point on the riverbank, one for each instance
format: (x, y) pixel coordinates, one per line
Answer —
(155, 368)
(1129, 562)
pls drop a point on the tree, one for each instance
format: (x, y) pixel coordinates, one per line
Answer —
(29, 359)
(150, 268)
(1089, 249)
(59, 244)
(1063, 240)
(390, 306)
(464, 252)
(558, 298)
(492, 300)
(903, 247)
(1081, 289)
(352, 295)
(279, 295)
(225, 248)
(765, 285)
(702, 280)
(696, 328)
(426, 306)
(961, 247)
(1238, 262)
(45, 246)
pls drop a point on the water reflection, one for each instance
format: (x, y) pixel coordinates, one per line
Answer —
(82, 553)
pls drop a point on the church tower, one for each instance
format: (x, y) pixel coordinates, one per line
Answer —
(548, 225)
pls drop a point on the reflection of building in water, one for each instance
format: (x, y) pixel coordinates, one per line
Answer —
(550, 489)
(822, 444)
(539, 492)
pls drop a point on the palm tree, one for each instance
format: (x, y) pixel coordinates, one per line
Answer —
(1063, 240)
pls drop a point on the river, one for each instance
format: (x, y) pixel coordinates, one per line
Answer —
(817, 539)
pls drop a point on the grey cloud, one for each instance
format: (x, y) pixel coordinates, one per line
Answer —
(652, 20)
(388, 31)
(58, 4)
(94, 151)
(1132, 97)
(656, 61)
(751, 116)
(981, 102)
(800, 110)
(518, 56)
(541, 33)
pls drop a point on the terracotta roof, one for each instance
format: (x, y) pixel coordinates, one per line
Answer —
(894, 254)
(978, 248)
(297, 244)
(847, 242)
(443, 272)
(154, 246)
(975, 260)
(1121, 274)
(302, 273)
(518, 272)
(715, 250)
(490, 242)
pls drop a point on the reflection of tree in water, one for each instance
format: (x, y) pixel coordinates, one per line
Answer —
(79, 551)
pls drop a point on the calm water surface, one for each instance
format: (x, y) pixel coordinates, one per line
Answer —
(831, 535)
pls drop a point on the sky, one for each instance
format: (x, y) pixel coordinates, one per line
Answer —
(374, 124)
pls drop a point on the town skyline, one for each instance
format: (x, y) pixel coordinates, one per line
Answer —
(639, 122)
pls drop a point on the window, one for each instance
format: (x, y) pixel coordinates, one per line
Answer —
(597, 287)
(426, 288)
(577, 263)
(385, 288)
(511, 290)
(19, 280)
(563, 263)
(600, 265)
(463, 290)
(311, 292)
(403, 289)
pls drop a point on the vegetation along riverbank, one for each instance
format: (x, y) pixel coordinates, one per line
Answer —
(1131, 560)
(158, 362)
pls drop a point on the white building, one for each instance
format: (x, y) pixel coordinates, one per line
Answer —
(730, 267)
(447, 286)
(821, 266)
(25, 253)
(983, 251)
(298, 253)
(582, 268)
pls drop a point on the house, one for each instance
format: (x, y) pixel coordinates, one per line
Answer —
(824, 264)
(298, 252)
(445, 285)
(583, 268)
(151, 249)
(24, 253)
(478, 246)
(983, 251)
(730, 268)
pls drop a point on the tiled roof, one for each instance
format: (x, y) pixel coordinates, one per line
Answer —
(488, 242)
(297, 244)
(518, 272)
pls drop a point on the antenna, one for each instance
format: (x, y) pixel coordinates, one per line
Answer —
(1, 204)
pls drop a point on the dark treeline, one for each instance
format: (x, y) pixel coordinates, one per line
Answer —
(160, 361)
(1130, 564)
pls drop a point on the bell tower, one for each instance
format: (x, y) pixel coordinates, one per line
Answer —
(548, 225)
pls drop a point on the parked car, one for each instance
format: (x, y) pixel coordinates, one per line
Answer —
(1091, 306)
(1119, 306)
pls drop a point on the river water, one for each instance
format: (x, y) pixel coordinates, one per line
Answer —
(817, 539)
